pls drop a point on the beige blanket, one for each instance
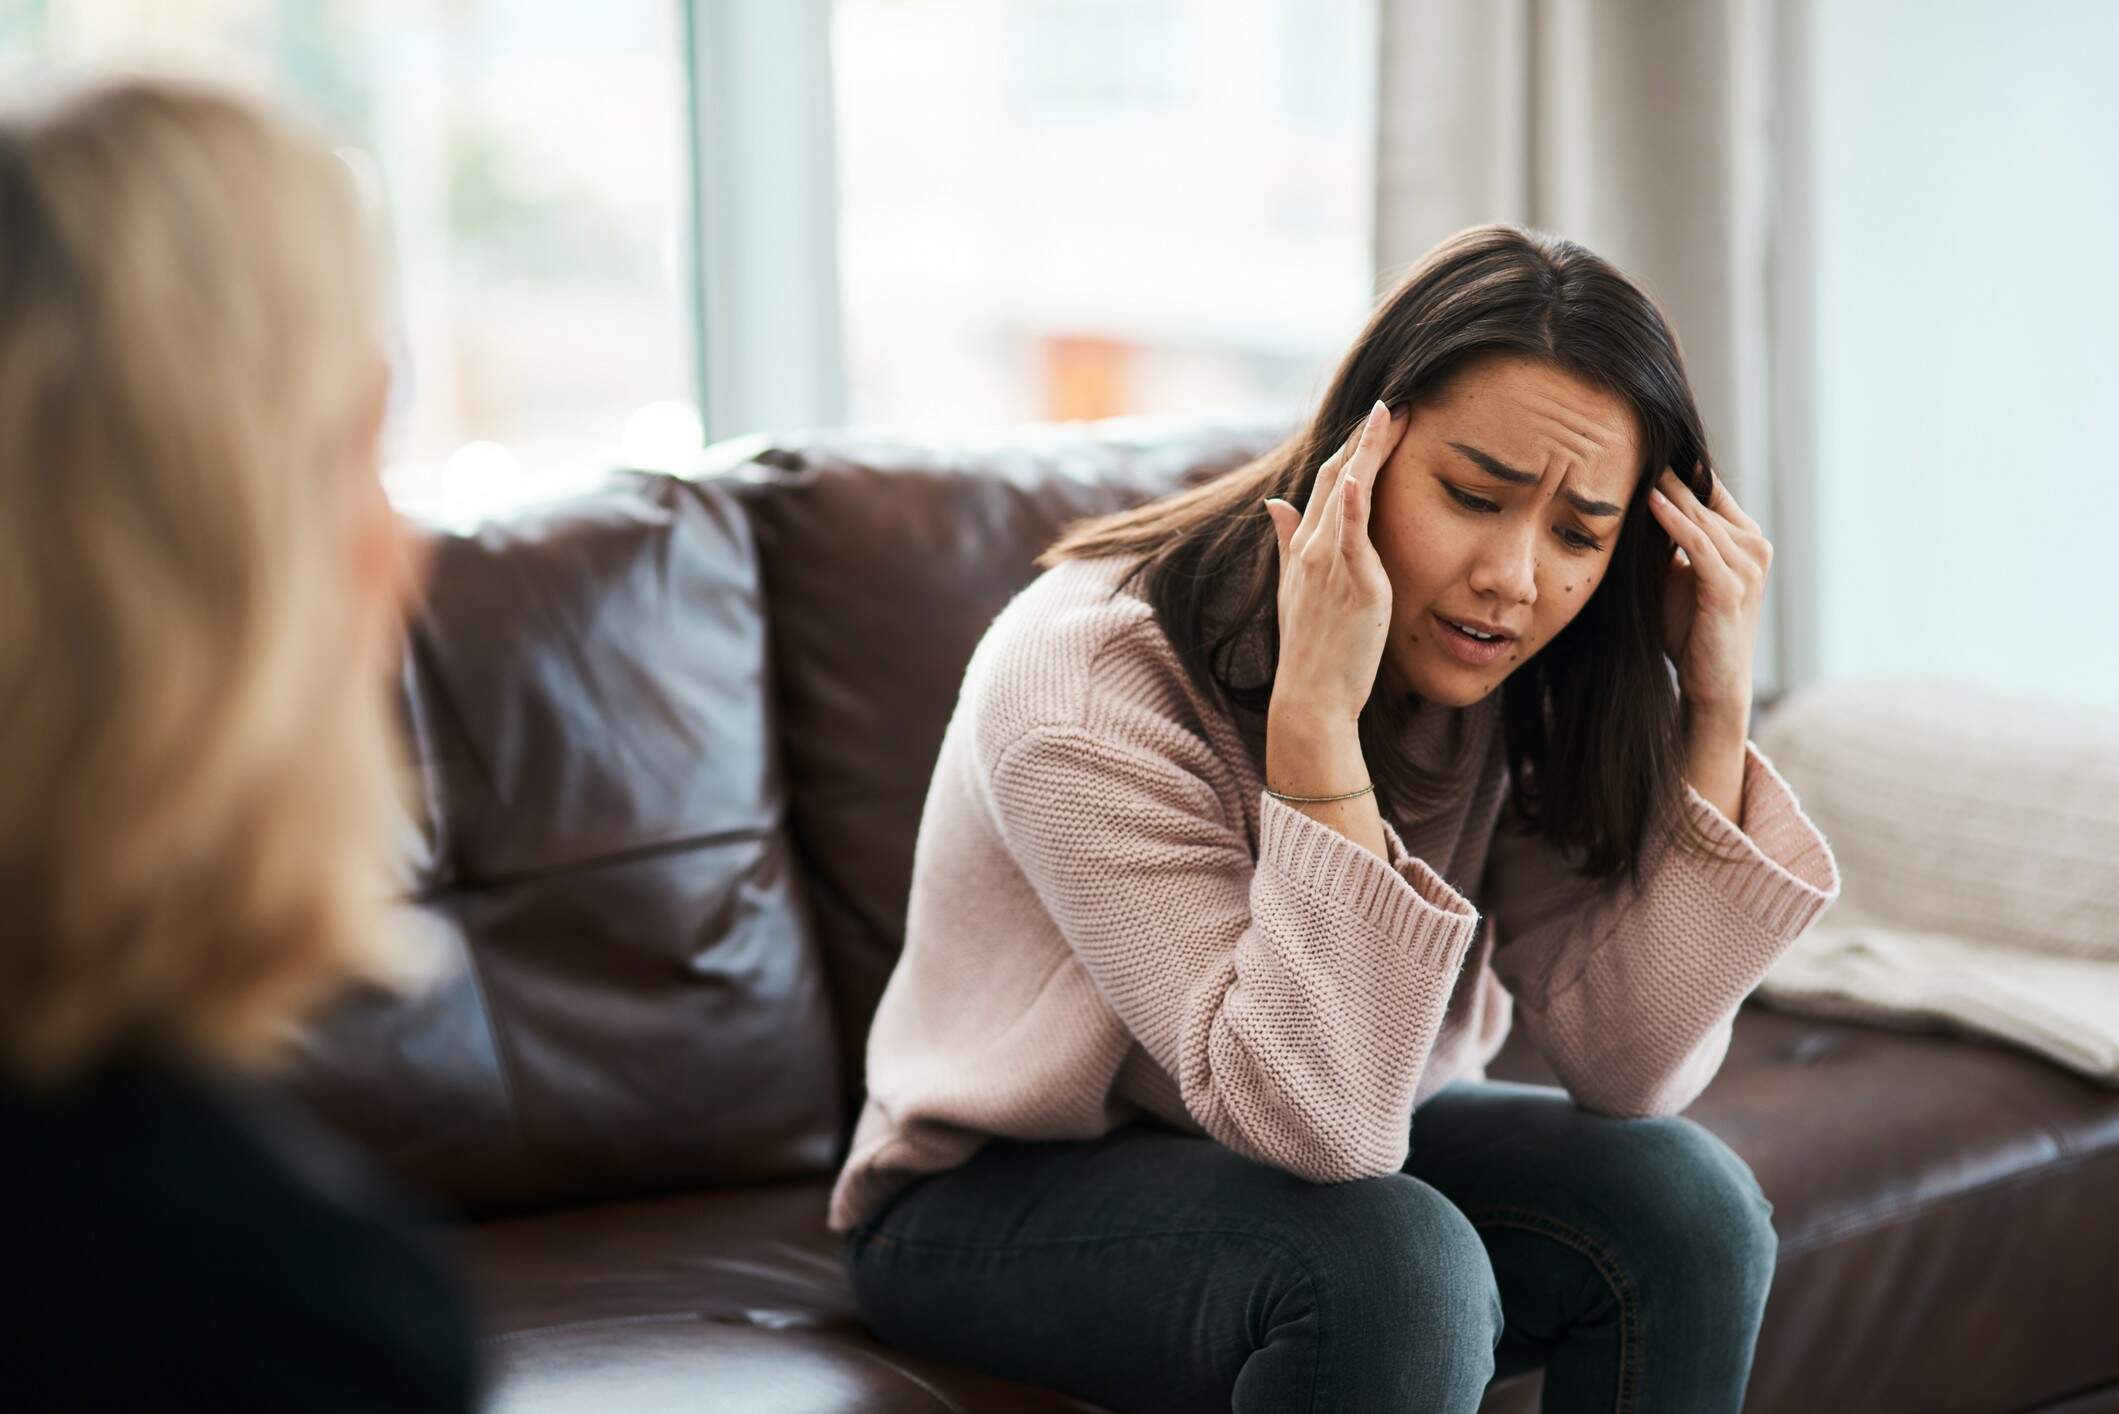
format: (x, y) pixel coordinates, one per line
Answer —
(2063, 1008)
(1978, 839)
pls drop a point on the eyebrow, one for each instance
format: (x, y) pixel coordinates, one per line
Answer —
(1500, 470)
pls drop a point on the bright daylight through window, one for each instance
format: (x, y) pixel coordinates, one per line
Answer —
(532, 159)
(1075, 208)
(1046, 209)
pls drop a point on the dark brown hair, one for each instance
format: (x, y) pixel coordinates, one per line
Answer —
(1594, 727)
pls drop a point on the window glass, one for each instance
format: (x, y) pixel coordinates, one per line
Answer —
(1076, 208)
(532, 158)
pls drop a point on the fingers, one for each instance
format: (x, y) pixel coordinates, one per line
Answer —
(1720, 501)
(1338, 506)
(1285, 519)
(1357, 486)
(1338, 458)
(1353, 499)
(1377, 445)
(1322, 511)
(1736, 535)
(1379, 433)
(1707, 554)
(1317, 513)
(1678, 526)
(1737, 547)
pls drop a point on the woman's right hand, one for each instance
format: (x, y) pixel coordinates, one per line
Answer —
(1335, 599)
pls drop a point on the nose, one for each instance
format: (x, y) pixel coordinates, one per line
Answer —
(1506, 566)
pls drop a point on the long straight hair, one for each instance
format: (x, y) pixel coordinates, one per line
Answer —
(1593, 722)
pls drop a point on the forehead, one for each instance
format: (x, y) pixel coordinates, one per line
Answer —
(1525, 413)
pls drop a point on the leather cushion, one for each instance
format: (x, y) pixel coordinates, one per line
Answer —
(884, 561)
(632, 999)
(1944, 1209)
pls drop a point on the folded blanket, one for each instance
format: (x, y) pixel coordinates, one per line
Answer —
(2064, 1008)
(1977, 835)
(1960, 810)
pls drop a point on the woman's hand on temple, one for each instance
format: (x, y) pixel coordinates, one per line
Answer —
(1335, 599)
(1712, 595)
(1335, 612)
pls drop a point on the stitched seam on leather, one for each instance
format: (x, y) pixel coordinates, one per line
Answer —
(503, 1063)
(940, 1398)
(1545, 1225)
(427, 765)
(463, 744)
(503, 878)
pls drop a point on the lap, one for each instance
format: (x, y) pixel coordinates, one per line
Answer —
(1150, 1259)
(1141, 1179)
(1491, 1152)
(1636, 1252)
(1146, 1269)
(1502, 1149)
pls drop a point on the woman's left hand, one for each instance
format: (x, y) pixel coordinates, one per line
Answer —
(1712, 593)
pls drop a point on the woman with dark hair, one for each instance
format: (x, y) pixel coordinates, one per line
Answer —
(1263, 814)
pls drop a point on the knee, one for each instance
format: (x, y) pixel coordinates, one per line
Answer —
(1392, 1257)
(1707, 1200)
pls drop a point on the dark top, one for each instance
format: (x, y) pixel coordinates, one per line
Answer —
(177, 1242)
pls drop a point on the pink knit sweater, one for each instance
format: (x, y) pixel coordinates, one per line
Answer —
(1110, 916)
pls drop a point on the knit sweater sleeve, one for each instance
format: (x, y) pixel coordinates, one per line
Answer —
(1630, 994)
(1294, 997)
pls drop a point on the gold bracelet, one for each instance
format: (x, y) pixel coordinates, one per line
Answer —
(1319, 799)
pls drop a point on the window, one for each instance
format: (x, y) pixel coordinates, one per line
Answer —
(1077, 208)
(533, 159)
(1044, 208)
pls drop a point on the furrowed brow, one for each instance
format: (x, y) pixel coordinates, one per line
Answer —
(1501, 471)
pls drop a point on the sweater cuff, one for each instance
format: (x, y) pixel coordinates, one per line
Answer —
(1787, 874)
(1403, 899)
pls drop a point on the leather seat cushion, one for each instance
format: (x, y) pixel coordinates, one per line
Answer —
(1971, 1183)
(1946, 1208)
(718, 1300)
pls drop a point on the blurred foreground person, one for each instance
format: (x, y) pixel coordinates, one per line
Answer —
(202, 589)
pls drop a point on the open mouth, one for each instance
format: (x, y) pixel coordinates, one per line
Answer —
(1468, 647)
(1473, 634)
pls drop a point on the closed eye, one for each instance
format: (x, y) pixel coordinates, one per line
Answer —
(1573, 539)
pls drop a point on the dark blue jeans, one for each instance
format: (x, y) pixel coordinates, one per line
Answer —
(1154, 1270)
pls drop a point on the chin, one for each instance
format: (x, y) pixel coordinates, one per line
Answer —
(1463, 688)
(1466, 696)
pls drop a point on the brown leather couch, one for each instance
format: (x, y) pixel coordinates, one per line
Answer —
(674, 738)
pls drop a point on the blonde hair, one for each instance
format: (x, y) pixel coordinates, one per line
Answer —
(196, 788)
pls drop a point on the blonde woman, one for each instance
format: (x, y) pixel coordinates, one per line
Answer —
(201, 587)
